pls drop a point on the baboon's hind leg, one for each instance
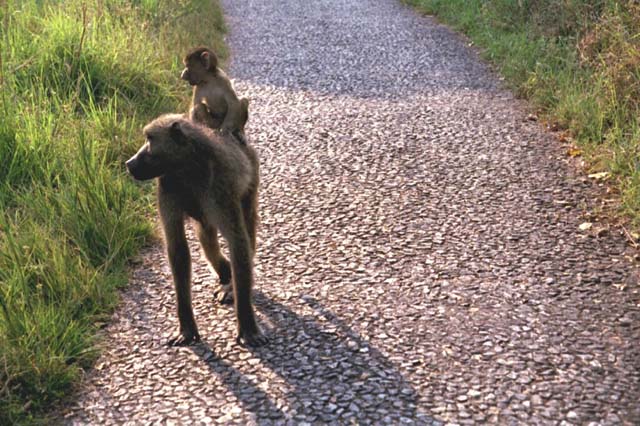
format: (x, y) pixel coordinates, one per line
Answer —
(250, 214)
(234, 231)
(208, 236)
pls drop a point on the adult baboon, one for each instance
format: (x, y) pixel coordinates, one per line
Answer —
(214, 181)
(214, 103)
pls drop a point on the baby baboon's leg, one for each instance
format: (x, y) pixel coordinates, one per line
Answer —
(234, 230)
(235, 116)
(180, 260)
(208, 236)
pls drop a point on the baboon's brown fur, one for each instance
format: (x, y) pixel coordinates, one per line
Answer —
(203, 175)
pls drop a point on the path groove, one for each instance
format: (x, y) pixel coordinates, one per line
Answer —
(419, 257)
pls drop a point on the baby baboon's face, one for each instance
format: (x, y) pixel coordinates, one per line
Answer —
(194, 71)
(198, 64)
(162, 152)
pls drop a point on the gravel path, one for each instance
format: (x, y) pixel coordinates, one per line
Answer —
(420, 259)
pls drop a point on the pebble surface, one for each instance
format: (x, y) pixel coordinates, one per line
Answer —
(420, 257)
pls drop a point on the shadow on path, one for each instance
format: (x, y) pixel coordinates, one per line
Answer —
(251, 396)
(331, 373)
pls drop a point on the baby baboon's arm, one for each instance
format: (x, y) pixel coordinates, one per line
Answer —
(201, 113)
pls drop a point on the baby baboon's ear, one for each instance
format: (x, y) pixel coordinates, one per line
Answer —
(209, 60)
(175, 130)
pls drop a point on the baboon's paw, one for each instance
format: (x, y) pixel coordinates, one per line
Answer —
(224, 273)
(182, 340)
(224, 296)
(252, 339)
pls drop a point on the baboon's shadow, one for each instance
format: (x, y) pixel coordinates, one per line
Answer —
(248, 393)
(332, 374)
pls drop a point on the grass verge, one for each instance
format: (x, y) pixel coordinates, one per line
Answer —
(78, 79)
(578, 61)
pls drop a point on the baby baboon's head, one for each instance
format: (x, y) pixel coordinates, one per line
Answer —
(199, 64)
(166, 148)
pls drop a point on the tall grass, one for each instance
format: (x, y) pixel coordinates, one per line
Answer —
(78, 80)
(578, 61)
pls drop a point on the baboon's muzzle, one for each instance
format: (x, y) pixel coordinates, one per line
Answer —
(139, 168)
(186, 76)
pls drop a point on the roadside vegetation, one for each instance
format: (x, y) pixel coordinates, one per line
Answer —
(578, 61)
(78, 79)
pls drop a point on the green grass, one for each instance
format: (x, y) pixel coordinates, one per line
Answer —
(578, 61)
(78, 80)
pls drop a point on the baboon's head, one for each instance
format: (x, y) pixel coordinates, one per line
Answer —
(166, 148)
(198, 64)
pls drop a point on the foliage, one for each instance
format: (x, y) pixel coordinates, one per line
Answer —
(78, 80)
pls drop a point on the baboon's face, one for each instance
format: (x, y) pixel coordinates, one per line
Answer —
(194, 71)
(198, 64)
(145, 164)
(162, 152)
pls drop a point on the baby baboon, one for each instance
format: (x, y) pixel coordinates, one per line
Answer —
(214, 103)
(203, 176)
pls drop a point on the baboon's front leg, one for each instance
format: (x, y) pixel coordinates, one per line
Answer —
(208, 236)
(242, 268)
(180, 261)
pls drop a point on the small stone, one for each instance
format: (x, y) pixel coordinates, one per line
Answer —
(572, 416)
(524, 379)
(613, 418)
(626, 321)
(585, 226)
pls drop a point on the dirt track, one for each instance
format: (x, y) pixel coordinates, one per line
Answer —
(420, 258)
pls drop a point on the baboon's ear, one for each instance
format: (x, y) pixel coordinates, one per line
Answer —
(175, 130)
(206, 60)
